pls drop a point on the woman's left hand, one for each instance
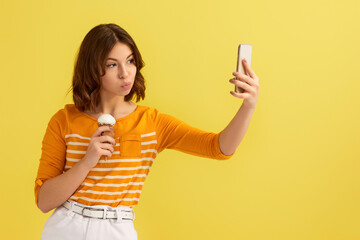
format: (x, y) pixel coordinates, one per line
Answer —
(250, 85)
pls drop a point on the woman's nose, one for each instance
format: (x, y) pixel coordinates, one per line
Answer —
(123, 72)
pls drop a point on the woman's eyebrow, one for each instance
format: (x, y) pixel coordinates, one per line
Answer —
(118, 60)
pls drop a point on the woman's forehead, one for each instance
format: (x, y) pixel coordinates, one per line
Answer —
(120, 51)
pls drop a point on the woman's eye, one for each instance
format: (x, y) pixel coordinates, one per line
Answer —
(110, 65)
(114, 64)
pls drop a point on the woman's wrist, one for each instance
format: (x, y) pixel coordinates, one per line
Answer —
(84, 165)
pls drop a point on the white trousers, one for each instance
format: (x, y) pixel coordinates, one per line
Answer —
(64, 224)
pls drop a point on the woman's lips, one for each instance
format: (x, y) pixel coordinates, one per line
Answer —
(126, 86)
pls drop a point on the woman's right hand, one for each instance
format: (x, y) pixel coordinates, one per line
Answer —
(98, 146)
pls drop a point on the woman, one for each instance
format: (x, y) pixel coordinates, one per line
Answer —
(94, 198)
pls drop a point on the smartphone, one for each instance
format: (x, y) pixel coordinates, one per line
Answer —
(244, 51)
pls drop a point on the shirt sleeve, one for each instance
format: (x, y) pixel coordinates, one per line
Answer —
(178, 135)
(52, 159)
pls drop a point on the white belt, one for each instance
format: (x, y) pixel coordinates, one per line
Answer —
(100, 212)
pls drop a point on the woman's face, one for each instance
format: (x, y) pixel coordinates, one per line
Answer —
(120, 71)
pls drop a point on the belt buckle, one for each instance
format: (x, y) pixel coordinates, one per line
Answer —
(85, 208)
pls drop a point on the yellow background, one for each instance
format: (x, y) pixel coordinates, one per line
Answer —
(296, 173)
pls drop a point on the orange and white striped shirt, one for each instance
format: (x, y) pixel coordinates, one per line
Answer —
(140, 137)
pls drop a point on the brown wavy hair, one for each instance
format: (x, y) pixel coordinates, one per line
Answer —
(91, 56)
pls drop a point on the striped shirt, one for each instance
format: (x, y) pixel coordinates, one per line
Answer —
(140, 137)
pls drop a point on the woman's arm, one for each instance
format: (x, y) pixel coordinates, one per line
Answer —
(175, 134)
(234, 132)
(57, 190)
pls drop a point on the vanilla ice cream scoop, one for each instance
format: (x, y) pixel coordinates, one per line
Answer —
(106, 119)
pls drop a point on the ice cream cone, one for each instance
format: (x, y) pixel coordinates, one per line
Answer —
(108, 120)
